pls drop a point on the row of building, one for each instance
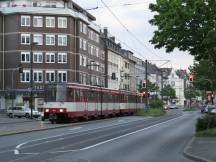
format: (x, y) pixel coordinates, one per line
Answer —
(59, 40)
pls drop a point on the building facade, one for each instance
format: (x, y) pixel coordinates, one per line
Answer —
(55, 40)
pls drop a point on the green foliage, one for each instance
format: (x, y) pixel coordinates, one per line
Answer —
(191, 92)
(168, 91)
(152, 87)
(206, 122)
(156, 103)
(188, 25)
(20, 104)
(207, 133)
(151, 112)
(204, 75)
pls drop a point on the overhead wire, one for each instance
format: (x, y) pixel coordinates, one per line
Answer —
(129, 32)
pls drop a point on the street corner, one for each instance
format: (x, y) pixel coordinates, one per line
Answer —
(201, 149)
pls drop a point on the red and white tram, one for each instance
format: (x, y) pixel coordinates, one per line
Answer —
(68, 101)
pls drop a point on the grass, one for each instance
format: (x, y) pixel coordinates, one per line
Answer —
(150, 112)
(190, 109)
(207, 133)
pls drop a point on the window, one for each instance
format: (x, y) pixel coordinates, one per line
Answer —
(62, 57)
(25, 20)
(50, 22)
(25, 39)
(62, 22)
(84, 45)
(50, 76)
(38, 21)
(62, 76)
(25, 57)
(81, 26)
(38, 38)
(83, 60)
(50, 40)
(38, 76)
(38, 57)
(62, 40)
(50, 57)
(97, 52)
(84, 28)
(25, 76)
(80, 43)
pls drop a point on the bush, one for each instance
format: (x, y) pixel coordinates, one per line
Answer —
(156, 103)
(206, 122)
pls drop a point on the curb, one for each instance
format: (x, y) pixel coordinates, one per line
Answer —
(192, 156)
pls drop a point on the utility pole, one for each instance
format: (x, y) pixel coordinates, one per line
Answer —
(146, 78)
(162, 84)
(31, 78)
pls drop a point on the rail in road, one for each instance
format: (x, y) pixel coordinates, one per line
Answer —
(81, 138)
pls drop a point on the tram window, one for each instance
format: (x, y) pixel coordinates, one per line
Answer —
(60, 93)
(77, 95)
(70, 95)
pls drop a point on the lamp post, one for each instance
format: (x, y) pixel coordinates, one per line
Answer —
(31, 78)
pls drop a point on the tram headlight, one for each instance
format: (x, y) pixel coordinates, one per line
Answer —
(61, 110)
(47, 110)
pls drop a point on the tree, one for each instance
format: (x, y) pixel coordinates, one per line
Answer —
(188, 25)
(204, 76)
(168, 91)
(191, 92)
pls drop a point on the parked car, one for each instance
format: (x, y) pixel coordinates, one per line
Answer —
(21, 111)
(172, 106)
(213, 111)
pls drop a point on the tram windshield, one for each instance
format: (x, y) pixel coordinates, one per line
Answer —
(55, 93)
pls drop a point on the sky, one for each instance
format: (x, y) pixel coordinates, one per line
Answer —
(136, 19)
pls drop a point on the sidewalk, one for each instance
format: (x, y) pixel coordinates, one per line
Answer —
(201, 149)
(4, 119)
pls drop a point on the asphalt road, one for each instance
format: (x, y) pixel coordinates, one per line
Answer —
(128, 139)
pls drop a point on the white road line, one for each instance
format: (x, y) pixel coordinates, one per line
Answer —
(128, 134)
(75, 128)
(65, 151)
(16, 150)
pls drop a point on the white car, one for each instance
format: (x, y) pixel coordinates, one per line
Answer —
(21, 111)
(213, 111)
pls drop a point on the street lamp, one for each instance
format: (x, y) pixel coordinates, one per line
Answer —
(31, 77)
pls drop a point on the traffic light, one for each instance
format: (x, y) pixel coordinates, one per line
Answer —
(144, 84)
(191, 78)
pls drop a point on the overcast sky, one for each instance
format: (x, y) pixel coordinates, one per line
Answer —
(135, 18)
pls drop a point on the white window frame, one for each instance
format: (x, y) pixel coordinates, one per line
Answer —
(62, 73)
(62, 22)
(24, 74)
(61, 57)
(26, 36)
(81, 26)
(37, 54)
(38, 73)
(80, 43)
(38, 38)
(50, 22)
(84, 45)
(62, 40)
(50, 54)
(49, 40)
(27, 20)
(25, 55)
(49, 74)
(85, 28)
(38, 21)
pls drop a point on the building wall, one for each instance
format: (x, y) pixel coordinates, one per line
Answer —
(113, 67)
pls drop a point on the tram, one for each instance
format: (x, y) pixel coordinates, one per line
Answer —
(70, 101)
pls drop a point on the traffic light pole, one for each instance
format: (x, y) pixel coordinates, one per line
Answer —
(146, 78)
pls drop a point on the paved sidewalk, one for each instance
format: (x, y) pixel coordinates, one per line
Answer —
(201, 149)
(4, 119)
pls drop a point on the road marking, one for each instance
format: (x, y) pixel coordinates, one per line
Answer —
(75, 128)
(65, 151)
(128, 134)
(16, 150)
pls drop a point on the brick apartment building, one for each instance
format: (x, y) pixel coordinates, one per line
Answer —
(56, 37)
